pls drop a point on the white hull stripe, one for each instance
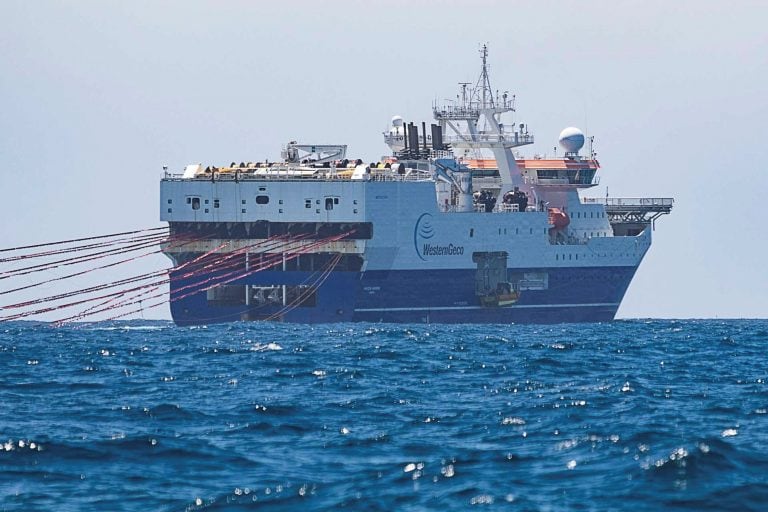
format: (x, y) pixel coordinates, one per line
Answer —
(462, 308)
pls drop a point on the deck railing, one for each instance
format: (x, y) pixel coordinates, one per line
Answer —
(630, 201)
(284, 174)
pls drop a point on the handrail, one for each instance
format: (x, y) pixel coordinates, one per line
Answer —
(516, 138)
(283, 174)
(630, 201)
(583, 182)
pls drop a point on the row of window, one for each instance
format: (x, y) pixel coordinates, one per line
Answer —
(503, 231)
(592, 234)
(583, 215)
(244, 210)
(562, 257)
(194, 202)
(330, 201)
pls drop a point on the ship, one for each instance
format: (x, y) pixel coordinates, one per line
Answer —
(454, 225)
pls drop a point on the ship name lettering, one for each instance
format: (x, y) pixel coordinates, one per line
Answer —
(442, 250)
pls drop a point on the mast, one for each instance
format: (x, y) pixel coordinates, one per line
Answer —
(493, 135)
(483, 83)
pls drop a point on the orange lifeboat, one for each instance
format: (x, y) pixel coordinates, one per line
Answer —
(558, 218)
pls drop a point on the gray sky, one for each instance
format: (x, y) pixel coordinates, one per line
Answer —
(96, 96)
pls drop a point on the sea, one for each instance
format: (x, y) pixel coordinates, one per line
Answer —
(146, 416)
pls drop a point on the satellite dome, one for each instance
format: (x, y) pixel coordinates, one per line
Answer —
(572, 139)
(397, 121)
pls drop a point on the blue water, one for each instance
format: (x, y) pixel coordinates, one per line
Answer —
(630, 415)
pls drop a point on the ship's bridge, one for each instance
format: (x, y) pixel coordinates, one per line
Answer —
(544, 171)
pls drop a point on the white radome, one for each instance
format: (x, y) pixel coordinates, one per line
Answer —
(571, 139)
(397, 121)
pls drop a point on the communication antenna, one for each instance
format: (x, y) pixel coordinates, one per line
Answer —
(464, 92)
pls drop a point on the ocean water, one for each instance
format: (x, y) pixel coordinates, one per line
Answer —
(629, 415)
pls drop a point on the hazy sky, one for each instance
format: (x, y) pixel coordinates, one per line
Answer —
(97, 96)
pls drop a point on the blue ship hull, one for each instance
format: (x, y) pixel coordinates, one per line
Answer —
(585, 294)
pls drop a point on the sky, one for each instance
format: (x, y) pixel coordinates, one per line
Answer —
(97, 96)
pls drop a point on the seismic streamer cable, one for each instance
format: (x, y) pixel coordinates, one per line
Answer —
(78, 248)
(81, 259)
(278, 257)
(163, 228)
(177, 243)
(119, 300)
(226, 268)
(196, 262)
